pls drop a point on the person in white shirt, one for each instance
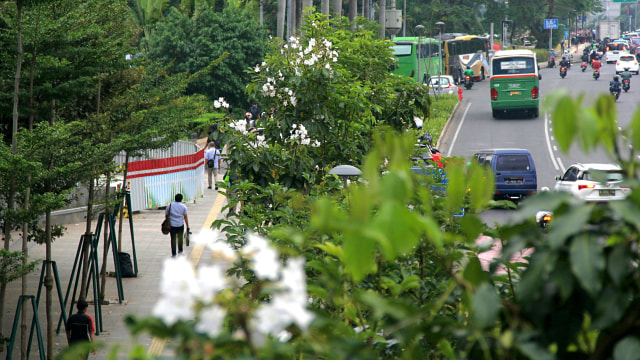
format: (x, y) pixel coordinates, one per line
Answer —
(212, 160)
(177, 214)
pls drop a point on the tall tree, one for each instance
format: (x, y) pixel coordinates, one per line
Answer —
(191, 44)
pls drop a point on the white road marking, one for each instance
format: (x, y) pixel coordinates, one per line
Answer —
(549, 138)
(562, 169)
(455, 136)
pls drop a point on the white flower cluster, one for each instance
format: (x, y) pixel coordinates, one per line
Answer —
(314, 54)
(220, 103)
(299, 133)
(240, 125)
(187, 295)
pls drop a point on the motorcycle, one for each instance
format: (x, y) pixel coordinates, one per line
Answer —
(468, 82)
(563, 71)
(615, 92)
(596, 74)
(626, 85)
(584, 66)
(543, 218)
(552, 62)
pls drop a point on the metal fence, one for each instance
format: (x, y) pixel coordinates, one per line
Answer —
(158, 175)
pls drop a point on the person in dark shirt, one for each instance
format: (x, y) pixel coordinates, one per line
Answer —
(80, 327)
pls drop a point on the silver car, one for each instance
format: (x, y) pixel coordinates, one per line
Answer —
(594, 182)
(442, 84)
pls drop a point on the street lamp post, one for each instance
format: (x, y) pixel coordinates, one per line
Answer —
(419, 30)
(441, 26)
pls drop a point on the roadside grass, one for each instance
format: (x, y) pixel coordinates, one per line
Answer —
(440, 112)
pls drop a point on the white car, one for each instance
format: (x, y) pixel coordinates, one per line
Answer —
(627, 61)
(614, 55)
(443, 84)
(594, 182)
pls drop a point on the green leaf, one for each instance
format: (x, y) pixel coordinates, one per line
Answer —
(486, 306)
(359, 254)
(534, 351)
(396, 229)
(331, 249)
(533, 279)
(628, 211)
(610, 307)
(564, 122)
(620, 263)
(474, 273)
(481, 186)
(456, 187)
(589, 131)
(587, 262)
(608, 123)
(572, 223)
(627, 349)
(634, 127)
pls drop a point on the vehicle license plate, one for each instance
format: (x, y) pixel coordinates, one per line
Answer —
(607, 192)
(514, 93)
(513, 181)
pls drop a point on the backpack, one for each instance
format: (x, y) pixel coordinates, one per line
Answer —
(255, 112)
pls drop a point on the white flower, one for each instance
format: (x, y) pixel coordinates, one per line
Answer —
(212, 281)
(305, 141)
(178, 290)
(327, 66)
(265, 260)
(284, 336)
(211, 320)
(327, 43)
(312, 42)
(263, 63)
(316, 143)
(293, 100)
(257, 69)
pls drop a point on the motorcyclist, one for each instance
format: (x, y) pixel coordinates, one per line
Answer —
(626, 75)
(564, 62)
(614, 85)
(469, 72)
(596, 64)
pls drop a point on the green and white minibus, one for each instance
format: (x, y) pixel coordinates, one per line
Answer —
(514, 82)
(409, 54)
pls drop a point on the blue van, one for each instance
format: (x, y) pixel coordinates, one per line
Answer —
(514, 171)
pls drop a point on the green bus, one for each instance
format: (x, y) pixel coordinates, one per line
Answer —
(418, 65)
(514, 82)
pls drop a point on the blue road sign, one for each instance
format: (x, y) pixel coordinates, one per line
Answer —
(550, 23)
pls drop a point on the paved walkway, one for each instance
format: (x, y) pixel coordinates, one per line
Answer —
(140, 293)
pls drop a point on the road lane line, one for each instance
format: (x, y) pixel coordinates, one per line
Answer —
(455, 136)
(561, 165)
(548, 137)
(157, 345)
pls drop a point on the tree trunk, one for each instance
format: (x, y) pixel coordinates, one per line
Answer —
(324, 5)
(337, 8)
(14, 149)
(298, 13)
(86, 244)
(292, 11)
(365, 9)
(48, 284)
(353, 10)
(282, 10)
(383, 13)
(25, 289)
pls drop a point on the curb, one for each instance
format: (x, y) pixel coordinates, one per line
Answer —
(445, 128)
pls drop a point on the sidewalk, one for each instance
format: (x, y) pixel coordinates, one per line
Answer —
(140, 293)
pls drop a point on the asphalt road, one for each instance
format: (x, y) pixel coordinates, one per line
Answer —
(473, 128)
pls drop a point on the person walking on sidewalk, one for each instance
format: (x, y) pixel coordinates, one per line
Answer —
(212, 158)
(177, 214)
(80, 327)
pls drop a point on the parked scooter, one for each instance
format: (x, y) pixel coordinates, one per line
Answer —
(584, 66)
(468, 82)
(563, 71)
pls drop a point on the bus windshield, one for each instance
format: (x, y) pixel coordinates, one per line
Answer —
(401, 49)
(513, 66)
